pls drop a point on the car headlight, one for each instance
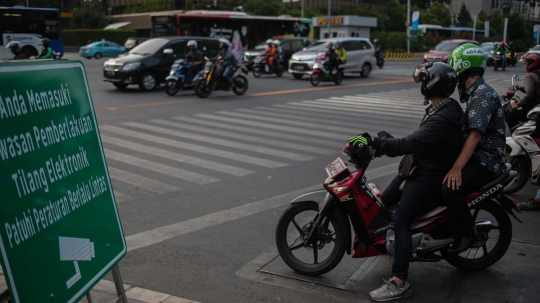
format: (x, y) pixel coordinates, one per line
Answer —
(131, 66)
(315, 65)
(425, 56)
(109, 62)
(294, 58)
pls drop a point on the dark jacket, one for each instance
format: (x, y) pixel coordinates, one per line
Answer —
(331, 54)
(19, 56)
(435, 146)
(195, 56)
(226, 55)
(531, 88)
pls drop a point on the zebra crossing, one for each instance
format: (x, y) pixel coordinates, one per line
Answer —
(168, 155)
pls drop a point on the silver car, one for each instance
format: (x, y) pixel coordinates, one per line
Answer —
(360, 57)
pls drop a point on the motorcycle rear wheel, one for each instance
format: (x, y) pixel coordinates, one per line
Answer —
(257, 71)
(521, 165)
(496, 66)
(488, 257)
(287, 227)
(172, 87)
(315, 79)
(338, 77)
(202, 90)
(279, 72)
(241, 85)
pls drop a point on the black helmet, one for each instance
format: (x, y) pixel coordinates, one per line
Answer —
(438, 79)
(46, 42)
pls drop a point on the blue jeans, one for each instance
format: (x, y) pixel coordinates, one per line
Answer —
(414, 194)
(227, 74)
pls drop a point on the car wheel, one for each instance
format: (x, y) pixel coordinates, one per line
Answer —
(148, 81)
(297, 76)
(97, 55)
(366, 70)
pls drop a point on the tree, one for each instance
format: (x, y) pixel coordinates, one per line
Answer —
(265, 7)
(89, 15)
(397, 16)
(464, 17)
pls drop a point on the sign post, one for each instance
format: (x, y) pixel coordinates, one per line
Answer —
(486, 29)
(535, 34)
(60, 231)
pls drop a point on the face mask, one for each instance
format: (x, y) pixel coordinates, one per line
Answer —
(462, 96)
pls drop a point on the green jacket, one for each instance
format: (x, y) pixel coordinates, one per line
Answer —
(46, 53)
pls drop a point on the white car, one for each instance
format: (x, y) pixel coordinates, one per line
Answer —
(360, 57)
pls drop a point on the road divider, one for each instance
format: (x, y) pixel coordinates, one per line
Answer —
(401, 56)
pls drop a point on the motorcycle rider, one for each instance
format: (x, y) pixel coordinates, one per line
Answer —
(226, 60)
(503, 48)
(432, 148)
(15, 48)
(194, 60)
(377, 46)
(340, 53)
(279, 51)
(270, 53)
(531, 89)
(46, 51)
(484, 134)
(331, 57)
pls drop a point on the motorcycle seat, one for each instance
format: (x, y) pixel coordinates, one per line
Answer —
(498, 177)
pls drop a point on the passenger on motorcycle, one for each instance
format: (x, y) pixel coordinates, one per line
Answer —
(331, 57)
(226, 60)
(279, 50)
(531, 89)
(503, 48)
(431, 150)
(47, 51)
(340, 53)
(484, 136)
(270, 52)
(194, 60)
(15, 48)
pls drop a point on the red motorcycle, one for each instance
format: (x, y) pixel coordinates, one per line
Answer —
(314, 233)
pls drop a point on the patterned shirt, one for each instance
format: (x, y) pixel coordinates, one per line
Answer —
(484, 112)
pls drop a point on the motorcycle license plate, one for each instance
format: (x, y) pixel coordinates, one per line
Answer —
(336, 167)
(110, 74)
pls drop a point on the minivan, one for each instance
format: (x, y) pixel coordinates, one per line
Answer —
(150, 62)
(360, 57)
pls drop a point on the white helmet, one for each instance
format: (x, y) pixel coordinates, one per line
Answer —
(269, 41)
(192, 43)
(14, 45)
(225, 42)
(276, 42)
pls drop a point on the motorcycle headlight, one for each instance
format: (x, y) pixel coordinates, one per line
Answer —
(131, 66)
(315, 65)
(171, 73)
(425, 56)
(498, 53)
(175, 65)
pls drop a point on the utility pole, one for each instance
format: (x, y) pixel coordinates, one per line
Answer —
(329, 20)
(408, 26)
(474, 29)
(215, 4)
(302, 9)
(505, 28)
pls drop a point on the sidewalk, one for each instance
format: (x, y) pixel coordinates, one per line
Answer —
(105, 292)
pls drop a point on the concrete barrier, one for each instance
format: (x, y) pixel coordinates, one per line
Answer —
(402, 56)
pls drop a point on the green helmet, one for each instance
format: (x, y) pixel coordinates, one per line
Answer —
(467, 56)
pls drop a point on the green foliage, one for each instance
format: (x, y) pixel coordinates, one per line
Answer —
(265, 7)
(133, 6)
(397, 16)
(89, 15)
(464, 18)
(80, 37)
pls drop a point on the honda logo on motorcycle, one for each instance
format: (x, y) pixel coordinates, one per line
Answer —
(485, 195)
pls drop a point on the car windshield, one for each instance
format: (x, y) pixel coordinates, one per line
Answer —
(536, 47)
(149, 47)
(317, 47)
(94, 44)
(448, 47)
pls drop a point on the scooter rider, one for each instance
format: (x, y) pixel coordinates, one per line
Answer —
(194, 60)
(484, 135)
(340, 53)
(431, 150)
(270, 53)
(503, 48)
(279, 51)
(46, 51)
(15, 48)
(331, 57)
(226, 60)
(531, 89)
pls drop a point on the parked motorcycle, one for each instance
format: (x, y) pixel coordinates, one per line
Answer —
(210, 79)
(497, 60)
(511, 58)
(523, 146)
(314, 233)
(321, 74)
(176, 79)
(260, 67)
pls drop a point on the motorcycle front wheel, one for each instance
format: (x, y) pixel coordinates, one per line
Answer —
(326, 248)
(521, 165)
(315, 79)
(172, 87)
(257, 71)
(241, 85)
(492, 241)
(279, 72)
(202, 90)
(496, 66)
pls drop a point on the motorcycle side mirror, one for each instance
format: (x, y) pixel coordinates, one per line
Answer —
(384, 134)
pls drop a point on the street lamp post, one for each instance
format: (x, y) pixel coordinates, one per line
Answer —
(329, 20)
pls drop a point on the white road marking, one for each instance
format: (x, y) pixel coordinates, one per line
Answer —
(224, 168)
(160, 168)
(140, 181)
(276, 127)
(218, 132)
(193, 147)
(365, 110)
(215, 141)
(262, 132)
(174, 230)
(121, 197)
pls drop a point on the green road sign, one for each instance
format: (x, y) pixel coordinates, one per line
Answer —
(60, 231)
